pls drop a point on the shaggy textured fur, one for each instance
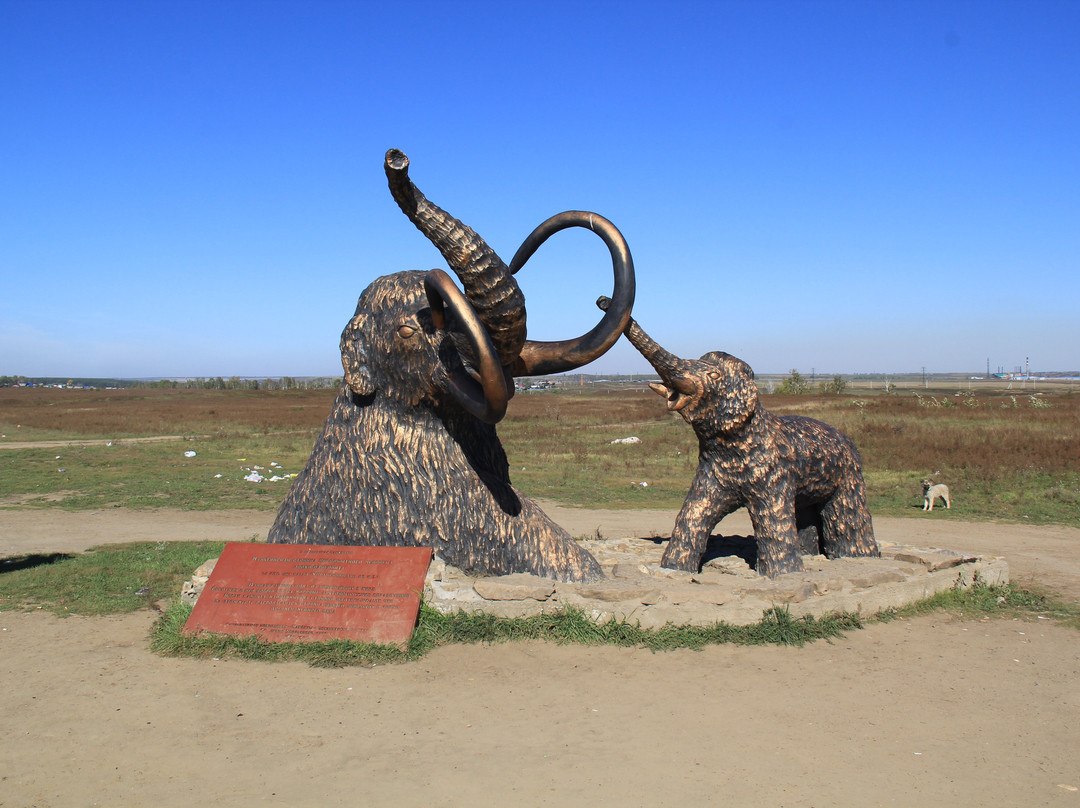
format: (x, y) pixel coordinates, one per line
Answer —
(791, 473)
(404, 465)
(409, 455)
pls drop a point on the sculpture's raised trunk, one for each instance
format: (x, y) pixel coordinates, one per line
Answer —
(680, 387)
(669, 366)
(489, 286)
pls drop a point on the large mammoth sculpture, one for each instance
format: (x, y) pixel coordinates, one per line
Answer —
(409, 454)
(800, 480)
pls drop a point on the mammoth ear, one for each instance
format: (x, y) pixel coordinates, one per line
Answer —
(742, 393)
(354, 359)
(746, 392)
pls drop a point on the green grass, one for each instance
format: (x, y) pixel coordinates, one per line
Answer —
(1026, 495)
(1010, 463)
(1002, 463)
(1008, 601)
(434, 629)
(576, 464)
(142, 475)
(111, 579)
(571, 626)
(118, 579)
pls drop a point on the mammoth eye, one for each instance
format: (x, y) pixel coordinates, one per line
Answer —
(714, 375)
(406, 331)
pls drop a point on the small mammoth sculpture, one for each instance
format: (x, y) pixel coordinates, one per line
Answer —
(409, 454)
(796, 476)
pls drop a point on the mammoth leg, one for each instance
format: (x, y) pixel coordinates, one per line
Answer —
(775, 531)
(705, 505)
(546, 550)
(846, 528)
(809, 526)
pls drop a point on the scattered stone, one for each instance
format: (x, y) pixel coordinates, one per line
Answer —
(638, 590)
(520, 586)
(824, 582)
(690, 614)
(730, 565)
(931, 559)
(813, 563)
(453, 591)
(744, 611)
(436, 570)
(629, 571)
(672, 575)
(698, 594)
(877, 577)
(615, 591)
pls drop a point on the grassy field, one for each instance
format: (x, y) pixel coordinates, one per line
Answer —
(122, 578)
(1005, 454)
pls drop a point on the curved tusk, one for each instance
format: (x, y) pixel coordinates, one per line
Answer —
(487, 397)
(487, 282)
(540, 358)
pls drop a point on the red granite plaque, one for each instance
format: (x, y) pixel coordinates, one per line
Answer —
(297, 592)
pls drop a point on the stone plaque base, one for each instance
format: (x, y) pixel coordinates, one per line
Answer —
(298, 592)
(638, 590)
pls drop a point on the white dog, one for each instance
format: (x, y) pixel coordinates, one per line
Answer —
(930, 492)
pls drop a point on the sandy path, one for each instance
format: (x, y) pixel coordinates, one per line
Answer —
(932, 711)
(59, 444)
(1049, 556)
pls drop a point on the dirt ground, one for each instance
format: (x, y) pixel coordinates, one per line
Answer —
(939, 710)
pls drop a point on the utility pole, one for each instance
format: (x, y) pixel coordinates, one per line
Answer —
(924, 377)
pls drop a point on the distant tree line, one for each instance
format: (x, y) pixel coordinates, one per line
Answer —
(214, 383)
(797, 385)
(60, 381)
(238, 383)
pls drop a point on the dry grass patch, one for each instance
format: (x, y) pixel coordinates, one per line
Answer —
(1003, 456)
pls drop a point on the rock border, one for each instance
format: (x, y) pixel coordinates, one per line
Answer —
(636, 589)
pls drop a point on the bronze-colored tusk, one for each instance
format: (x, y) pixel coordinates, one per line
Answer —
(540, 358)
(485, 399)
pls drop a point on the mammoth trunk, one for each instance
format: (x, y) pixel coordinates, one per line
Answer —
(669, 366)
(489, 286)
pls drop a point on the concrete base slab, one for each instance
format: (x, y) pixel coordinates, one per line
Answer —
(638, 590)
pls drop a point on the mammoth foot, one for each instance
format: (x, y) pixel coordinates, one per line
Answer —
(777, 558)
(680, 558)
(546, 550)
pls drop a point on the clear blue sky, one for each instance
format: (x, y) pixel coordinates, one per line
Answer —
(196, 188)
